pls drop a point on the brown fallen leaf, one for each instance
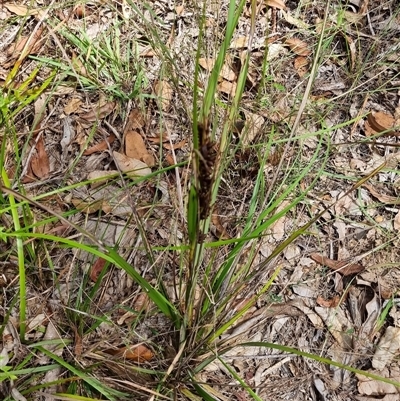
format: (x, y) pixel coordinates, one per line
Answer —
(298, 47)
(40, 163)
(328, 303)
(136, 148)
(227, 87)
(33, 45)
(163, 137)
(239, 43)
(137, 353)
(175, 146)
(219, 228)
(100, 177)
(87, 207)
(101, 146)
(72, 106)
(78, 65)
(97, 268)
(132, 167)
(342, 267)
(20, 10)
(280, 4)
(226, 72)
(164, 93)
(380, 122)
(301, 65)
(169, 159)
(135, 120)
(99, 113)
(387, 199)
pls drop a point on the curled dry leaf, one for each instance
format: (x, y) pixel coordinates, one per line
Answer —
(220, 231)
(72, 106)
(97, 268)
(175, 146)
(379, 122)
(132, 167)
(342, 267)
(137, 353)
(135, 121)
(102, 111)
(40, 163)
(387, 199)
(227, 87)
(387, 348)
(164, 92)
(328, 303)
(301, 65)
(252, 127)
(226, 72)
(21, 10)
(280, 4)
(298, 47)
(99, 147)
(33, 45)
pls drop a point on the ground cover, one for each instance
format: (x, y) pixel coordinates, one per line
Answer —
(199, 200)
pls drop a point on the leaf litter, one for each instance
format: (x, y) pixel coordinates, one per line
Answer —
(325, 300)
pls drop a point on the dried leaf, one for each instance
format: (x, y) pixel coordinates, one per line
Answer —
(396, 221)
(252, 127)
(101, 146)
(280, 4)
(301, 65)
(78, 65)
(40, 161)
(179, 10)
(136, 121)
(226, 72)
(87, 207)
(101, 177)
(298, 47)
(387, 199)
(295, 21)
(40, 108)
(132, 167)
(169, 159)
(381, 122)
(227, 87)
(164, 92)
(387, 348)
(20, 10)
(221, 233)
(138, 353)
(136, 148)
(239, 43)
(175, 146)
(33, 45)
(72, 106)
(342, 267)
(328, 303)
(97, 268)
(102, 111)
